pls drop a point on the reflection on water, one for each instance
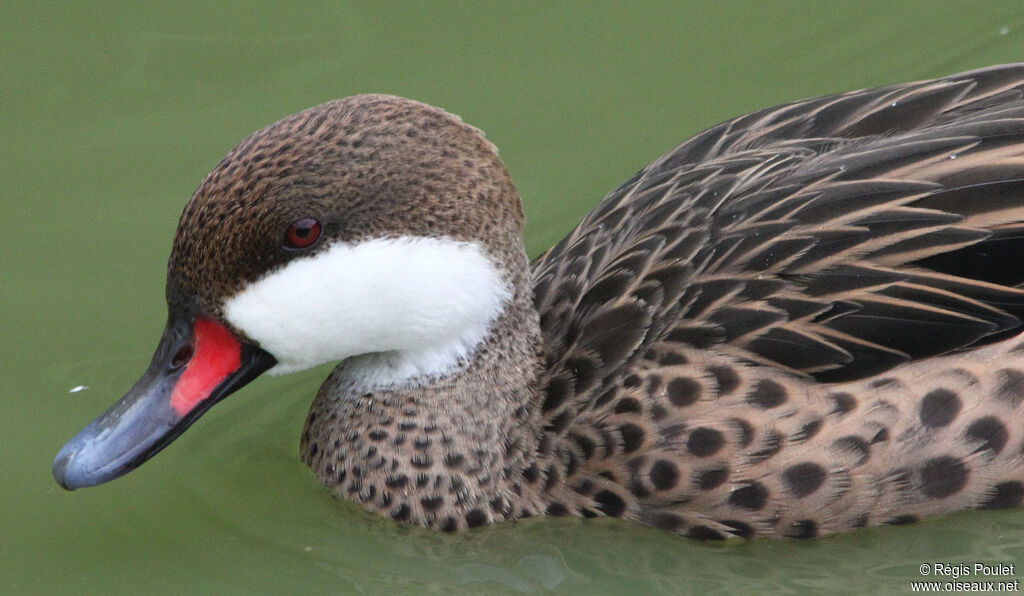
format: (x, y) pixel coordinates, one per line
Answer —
(113, 116)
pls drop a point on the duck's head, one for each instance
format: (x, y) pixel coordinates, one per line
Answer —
(373, 229)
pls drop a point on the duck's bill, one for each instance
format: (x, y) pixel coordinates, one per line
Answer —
(197, 363)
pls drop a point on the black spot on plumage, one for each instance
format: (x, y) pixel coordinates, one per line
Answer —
(767, 394)
(1011, 386)
(632, 437)
(901, 520)
(664, 475)
(705, 441)
(683, 392)
(752, 496)
(586, 445)
(610, 503)
(431, 503)
(709, 479)
(939, 407)
(1004, 494)
(804, 478)
(475, 517)
(561, 422)
(704, 533)
(453, 460)
(558, 390)
(805, 528)
(627, 405)
(844, 403)
(989, 432)
(395, 482)
(672, 359)
(557, 509)
(378, 434)
(449, 525)
(421, 461)
(400, 513)
(531, 474)
(665, 520)
(726, 379)
(942, 477)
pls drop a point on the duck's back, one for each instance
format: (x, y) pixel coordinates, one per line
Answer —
(716, 308)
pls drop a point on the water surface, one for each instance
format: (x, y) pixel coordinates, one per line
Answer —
(114, 113)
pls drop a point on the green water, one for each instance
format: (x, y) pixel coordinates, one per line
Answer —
(112, 115)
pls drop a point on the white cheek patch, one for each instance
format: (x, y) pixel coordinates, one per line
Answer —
(425, 302)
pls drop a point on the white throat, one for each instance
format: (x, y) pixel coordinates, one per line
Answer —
(407, 307)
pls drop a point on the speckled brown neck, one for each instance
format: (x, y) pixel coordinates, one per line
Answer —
(448, 453)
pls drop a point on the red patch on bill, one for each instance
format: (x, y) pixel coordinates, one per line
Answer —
(217, 355)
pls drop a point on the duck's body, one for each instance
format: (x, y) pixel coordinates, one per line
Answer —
(802, 321)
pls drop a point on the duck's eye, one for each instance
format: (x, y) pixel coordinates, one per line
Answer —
(303, 233)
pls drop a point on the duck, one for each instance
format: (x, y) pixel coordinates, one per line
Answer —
(802, 321)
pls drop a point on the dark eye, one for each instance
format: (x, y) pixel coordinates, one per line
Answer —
(303, 233)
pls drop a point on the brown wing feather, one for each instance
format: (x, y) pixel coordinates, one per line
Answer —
(834, 237)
